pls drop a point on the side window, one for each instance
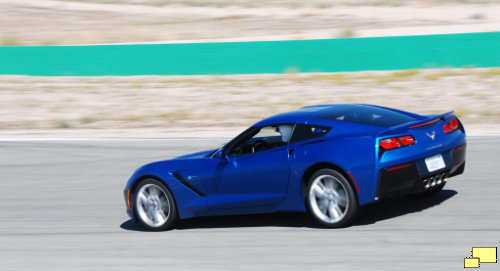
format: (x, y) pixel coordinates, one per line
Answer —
(264, 138)
(305, 132)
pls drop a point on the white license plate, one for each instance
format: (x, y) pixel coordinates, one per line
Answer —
(434, 163)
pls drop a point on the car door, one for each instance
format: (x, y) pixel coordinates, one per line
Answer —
(250, 179)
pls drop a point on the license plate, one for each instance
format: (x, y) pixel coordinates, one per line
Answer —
(434, 163)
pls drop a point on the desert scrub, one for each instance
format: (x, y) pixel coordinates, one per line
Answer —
(439, 75)
(490, 72)
(347, 33)
(337, 78)
(10, 41)
(62, 124)
(390, 77)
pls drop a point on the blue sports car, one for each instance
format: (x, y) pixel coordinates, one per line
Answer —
(327, 160)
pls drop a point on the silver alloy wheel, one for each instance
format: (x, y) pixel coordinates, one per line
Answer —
(328, 198)
(153, 206)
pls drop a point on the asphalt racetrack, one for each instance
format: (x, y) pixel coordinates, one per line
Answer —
(62, 208)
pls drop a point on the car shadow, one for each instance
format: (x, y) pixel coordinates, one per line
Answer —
(373, 213)
(130, 225)
(289, 220)
(295, 220)
(400, 205)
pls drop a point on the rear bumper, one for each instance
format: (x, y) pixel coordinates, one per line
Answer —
(413, 177)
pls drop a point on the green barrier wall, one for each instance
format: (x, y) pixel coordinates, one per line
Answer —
(329, 55)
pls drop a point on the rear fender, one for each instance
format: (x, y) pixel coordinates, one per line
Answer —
(353, 157)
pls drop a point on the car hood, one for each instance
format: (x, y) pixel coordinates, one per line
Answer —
(184, 162)
(190, 164)
(195, 155)
(188, 161)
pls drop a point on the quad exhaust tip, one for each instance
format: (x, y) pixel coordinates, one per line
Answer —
(435, 180)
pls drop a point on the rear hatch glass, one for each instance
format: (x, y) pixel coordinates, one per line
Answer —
(367, 115)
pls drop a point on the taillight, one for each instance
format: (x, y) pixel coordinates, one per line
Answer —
(396, 142)
(451, 126)
(406, 140)
(389, 143)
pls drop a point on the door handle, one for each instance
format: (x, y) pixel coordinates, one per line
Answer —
(290, 151)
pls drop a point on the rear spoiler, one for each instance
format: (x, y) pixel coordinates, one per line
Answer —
(427, 120)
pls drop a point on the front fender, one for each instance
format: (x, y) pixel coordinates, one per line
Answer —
(189, 203)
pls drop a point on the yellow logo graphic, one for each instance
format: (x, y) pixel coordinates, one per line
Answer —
(481, 255)
(471, 263)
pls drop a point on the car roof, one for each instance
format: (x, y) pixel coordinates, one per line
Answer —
(303, 114)
(308, 114)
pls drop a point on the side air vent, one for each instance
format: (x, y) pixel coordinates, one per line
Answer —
(181, 179)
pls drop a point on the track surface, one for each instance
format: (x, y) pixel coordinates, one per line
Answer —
(61, 208)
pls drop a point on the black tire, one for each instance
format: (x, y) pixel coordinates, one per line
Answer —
(155, 213)
(337, 206)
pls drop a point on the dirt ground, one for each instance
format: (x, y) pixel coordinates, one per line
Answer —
(48, 22)
(222, 106)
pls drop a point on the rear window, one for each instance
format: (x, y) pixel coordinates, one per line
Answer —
(367, 115)
(303, 132)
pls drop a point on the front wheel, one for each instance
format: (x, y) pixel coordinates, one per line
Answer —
(330, 198)
(154, 205)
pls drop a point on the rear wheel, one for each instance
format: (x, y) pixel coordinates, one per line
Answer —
(330, 198)
(154, 205)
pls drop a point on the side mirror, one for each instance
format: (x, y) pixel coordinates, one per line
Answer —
(221, 154)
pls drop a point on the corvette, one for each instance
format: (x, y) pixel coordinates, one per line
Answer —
(327, 160)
